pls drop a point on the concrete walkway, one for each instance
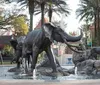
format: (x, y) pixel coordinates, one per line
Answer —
(42, 82)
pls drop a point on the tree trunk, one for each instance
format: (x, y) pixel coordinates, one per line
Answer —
(31, 12)
(31, 22)
(42, 20)
(86, 33)
(98, 31)
(95, 29)
(42, 14)
(50, 13)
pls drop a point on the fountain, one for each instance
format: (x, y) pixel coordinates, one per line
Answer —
(38, 73)
(76, 71)
(34, 74)
(46, 70)
(43, 70)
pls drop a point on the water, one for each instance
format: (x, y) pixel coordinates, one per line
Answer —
(4, 74)
(34, 74)
(76, 71)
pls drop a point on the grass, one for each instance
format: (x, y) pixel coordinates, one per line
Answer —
(6, 63)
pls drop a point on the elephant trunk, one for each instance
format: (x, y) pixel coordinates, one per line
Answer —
(71, 38)
(67, 38)
(70, 46)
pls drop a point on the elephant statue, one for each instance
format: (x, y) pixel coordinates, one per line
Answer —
(17, 45)
(40, 40)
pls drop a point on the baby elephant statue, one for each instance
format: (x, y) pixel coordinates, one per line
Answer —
(17, 45)
(40, 40)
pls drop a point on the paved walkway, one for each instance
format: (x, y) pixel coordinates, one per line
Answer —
(40, 82)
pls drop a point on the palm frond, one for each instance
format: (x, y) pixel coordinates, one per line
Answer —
(87, 9)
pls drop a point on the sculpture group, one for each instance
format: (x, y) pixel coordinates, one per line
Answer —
(37, 41)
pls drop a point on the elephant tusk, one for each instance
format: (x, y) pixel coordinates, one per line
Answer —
(70, 46)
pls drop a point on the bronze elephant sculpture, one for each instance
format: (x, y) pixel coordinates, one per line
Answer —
(40, 40)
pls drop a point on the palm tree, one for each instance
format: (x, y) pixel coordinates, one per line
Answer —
(30, 4)
(55, 6)
(89, 9)
(43, 6)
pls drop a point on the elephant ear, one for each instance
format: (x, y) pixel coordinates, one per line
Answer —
(48, 29)
(13, 43)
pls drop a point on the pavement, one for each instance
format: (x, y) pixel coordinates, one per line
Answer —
(42, 82)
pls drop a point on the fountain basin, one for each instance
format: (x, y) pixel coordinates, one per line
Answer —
(17, 75)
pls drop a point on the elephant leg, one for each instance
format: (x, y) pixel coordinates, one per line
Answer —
(57, 62)
(51, 58)
(13, 60)
(18, 62)
(35, 53)
(18, 53)
(28, 60)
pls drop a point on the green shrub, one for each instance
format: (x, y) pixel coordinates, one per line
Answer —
(7, 51)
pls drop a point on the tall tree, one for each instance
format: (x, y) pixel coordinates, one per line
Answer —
(15, 20)
(20, 25)
(43, 5)
(30, 4)
(89, 9)
(57, 6)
